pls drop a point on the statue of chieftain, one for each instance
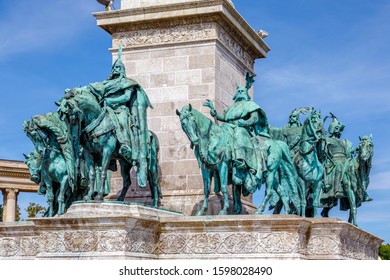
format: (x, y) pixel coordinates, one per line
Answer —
(247, 120)
(129, 103)
(95, 125)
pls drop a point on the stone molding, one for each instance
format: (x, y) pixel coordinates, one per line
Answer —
(151, 233)
(191, 31)
(161, 20)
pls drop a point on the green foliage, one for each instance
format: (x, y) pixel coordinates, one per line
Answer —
(17, 217)
(384, 252)
(33, 209)
(1, 212)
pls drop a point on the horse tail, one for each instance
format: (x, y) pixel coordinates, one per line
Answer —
(289, 177)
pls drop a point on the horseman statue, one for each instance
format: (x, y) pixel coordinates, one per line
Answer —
(347, 171)
(291, 133)
(337, 152)
(95, 127)
(127, 105)
(247, 120)
(242, 153)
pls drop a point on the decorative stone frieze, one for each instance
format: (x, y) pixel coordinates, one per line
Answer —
(160, 234)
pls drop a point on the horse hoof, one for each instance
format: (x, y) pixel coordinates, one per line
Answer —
(259, 211)
(199, 213)
(222, 212)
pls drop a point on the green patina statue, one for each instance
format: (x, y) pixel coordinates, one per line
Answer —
(51, 164)
(347, 174)
(240, 151)
(95, 125)
(302, 169)
(291, 133)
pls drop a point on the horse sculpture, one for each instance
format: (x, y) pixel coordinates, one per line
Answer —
(214, 157)
(48, 167)
(213, 150)
(355, 180)
(92, 128)
(281, 179)
(309, 168)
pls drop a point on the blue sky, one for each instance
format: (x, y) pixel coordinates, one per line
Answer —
(328, 54)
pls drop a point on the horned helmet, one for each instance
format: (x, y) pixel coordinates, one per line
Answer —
(242, 92)
(336, 126)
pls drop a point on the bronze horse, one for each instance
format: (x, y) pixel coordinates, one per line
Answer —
(93, 130)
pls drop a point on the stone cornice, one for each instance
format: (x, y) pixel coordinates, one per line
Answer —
(16, 174)
(175, 15)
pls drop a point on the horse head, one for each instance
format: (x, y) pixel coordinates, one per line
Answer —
(314, 126)
(188, 124)
(37, 136)
(34, 164)
(366, 148)
(68, 106)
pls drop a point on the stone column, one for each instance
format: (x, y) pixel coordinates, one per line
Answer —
(10, 196)
(182, 51)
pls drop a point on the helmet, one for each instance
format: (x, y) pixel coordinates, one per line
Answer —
(118, 67)
(335, 124)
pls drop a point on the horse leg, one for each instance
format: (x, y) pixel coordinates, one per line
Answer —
(267, 197)
(317, 187)
(280, 191)
(325, 212)
(125, 172)
(206, 191)
(278, 207)
(352, 202)
(302, 192)
(106, 158)
(91, 183)
(237, 204)
(50, 196)
(223, 177)
(153, 180)
(91, 175)
(61, 195)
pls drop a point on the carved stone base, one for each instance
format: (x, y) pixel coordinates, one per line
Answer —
(123, 231)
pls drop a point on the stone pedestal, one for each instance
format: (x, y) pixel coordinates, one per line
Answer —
(121, 231)
(182, 51)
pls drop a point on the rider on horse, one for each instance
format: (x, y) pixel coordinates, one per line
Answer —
(127, 104)
(247, 120)
(338, 153)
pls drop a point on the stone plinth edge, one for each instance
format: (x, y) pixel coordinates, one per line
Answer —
(147, 236)
(113, 208)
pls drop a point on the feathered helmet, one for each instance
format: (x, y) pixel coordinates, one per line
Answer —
(335, 123)
(118, 62)
(241, 90)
